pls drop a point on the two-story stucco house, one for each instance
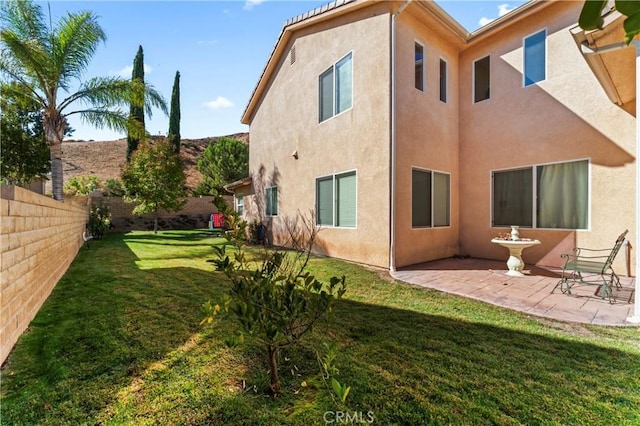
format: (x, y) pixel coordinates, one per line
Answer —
(411, 139)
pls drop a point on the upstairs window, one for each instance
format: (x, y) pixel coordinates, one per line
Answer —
(481, 79)
(419, 66)
(271, 201)
(443, 80)
(535, 58)
(336, 88)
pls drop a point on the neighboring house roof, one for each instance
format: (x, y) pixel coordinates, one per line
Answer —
(231, 187)
(340, 7)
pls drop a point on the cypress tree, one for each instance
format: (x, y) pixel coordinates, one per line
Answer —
(136, 113)
(174, 115)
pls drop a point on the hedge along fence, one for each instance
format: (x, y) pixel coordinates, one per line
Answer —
(194, 215)
(39, 238)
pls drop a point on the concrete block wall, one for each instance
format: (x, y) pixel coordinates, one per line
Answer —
(39, 238)
(194, 215)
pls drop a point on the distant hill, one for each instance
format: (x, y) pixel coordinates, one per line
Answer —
(105, 159)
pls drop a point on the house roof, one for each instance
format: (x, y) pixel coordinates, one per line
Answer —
(340, 7)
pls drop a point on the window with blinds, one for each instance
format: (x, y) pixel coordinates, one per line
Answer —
(336, 200)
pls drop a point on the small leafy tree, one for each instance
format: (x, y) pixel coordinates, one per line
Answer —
(174, 115)
(24, 153)
(136, 110)
(591, 16)
(224, 161)
(277, 302)
(81, 185)
(154, 179)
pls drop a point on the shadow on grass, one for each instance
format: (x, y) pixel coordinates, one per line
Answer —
(117, 344)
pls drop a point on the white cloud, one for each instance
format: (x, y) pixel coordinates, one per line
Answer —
(250, 4)
(207, 42)
(126, 71)
(219, 102)
(503, 9)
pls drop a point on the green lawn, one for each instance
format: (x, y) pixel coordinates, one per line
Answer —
(119, 342)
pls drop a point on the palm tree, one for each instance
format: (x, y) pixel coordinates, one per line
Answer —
(42, 61)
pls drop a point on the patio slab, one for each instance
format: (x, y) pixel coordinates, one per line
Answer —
(486, 280)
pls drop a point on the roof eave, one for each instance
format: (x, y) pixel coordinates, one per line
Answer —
(596, 62)
(230, 187)
(319, 14)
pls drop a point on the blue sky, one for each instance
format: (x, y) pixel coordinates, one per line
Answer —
(219, 47)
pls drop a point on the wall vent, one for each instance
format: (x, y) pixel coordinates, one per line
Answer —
(292, 55)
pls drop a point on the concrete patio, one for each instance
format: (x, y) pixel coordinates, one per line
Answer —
(485, 280)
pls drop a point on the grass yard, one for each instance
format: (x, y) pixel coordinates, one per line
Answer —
(119, 342)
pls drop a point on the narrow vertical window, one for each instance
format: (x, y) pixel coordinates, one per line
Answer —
(481, 79)
(324, 201)
(344, 86)
(240, 204)
(419, 66)
(346, 200)
(441, 199)
(420, 198)
(326, 94)
(443, 80)
(535, 58)
(271, 201)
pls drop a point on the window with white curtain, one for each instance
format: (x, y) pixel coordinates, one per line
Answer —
(336, 88)
(430, 199)
(336, 198)
(554, 196)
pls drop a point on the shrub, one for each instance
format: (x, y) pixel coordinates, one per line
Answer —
(99, 220)
(113, 188)
(278, 302)
(81, 185)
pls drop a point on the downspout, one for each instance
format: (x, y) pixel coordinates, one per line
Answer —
(635, 318)
(392, 245)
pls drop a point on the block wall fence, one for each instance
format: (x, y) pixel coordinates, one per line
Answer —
(195, 214)
(39, 238)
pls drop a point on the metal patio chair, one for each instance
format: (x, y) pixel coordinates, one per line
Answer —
(591, 267)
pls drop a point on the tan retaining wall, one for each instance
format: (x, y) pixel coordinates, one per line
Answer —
(39, 238)
(194, 215)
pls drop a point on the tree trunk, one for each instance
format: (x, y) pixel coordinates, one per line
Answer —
(274, 386)
(57, 178)
(155, 224)
(54, 125)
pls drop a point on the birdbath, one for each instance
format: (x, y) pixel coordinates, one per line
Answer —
(515, 263)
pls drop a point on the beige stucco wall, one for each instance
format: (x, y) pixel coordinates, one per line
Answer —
(358, 139)
(39, 238)
(426, 135)
(566, 117)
